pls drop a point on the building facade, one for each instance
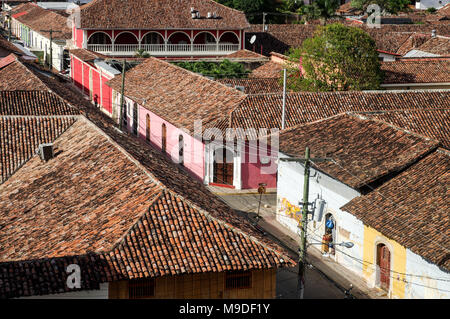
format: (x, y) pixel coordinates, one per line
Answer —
(165, 29)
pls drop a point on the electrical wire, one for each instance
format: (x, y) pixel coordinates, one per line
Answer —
(384, 197)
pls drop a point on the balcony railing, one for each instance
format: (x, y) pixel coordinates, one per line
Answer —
(164, 49)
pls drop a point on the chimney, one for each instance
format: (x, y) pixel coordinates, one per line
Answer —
(45, 151)
(209, 15)
(433, 33)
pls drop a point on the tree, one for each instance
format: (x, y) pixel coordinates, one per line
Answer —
(337, 58)
(390, 6)
(224, 69)
(320, 9)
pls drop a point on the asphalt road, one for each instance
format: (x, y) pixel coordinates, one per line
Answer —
(317, 286)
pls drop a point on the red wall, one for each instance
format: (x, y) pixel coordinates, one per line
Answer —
(96, 86)
(251, 174)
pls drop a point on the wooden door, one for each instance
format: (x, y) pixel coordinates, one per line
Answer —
(384, 261)
(135, 119)
(223, 167)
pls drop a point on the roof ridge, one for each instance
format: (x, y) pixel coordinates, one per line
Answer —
(224, 223)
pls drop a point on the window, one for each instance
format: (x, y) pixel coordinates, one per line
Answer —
(238, 280)
(141, 288)
(147, 128)
(181, 150)
(163, 137)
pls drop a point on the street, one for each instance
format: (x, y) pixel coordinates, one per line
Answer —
(317, 286)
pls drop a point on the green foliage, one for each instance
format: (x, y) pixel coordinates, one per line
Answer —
(337, 58)
(224, 69)
(431, 10)
(252, 8)
(390, 6)
(141, 54)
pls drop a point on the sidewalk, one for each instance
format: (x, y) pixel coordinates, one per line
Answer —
(247, 202)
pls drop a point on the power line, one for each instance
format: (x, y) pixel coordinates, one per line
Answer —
(386, 198)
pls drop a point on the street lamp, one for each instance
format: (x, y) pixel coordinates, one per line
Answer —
(345, 244)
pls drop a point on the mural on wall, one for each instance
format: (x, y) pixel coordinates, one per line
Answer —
(292, 211)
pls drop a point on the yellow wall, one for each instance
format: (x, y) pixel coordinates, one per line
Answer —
(398, 261)
(204, 285)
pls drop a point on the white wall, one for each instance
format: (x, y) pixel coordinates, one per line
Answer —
(419, 286)
(102, 293)
(335, 194)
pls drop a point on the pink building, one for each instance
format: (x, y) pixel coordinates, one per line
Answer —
(163, 28)
(186, 116)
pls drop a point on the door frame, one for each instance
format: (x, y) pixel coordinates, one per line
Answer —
(377, 278)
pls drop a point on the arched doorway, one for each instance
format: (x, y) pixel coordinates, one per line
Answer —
(383, 266)
(135, 119)
(179, 41)
(152, 41)
(152, 38)
(223, 166)
(163, 138)
(126, 42)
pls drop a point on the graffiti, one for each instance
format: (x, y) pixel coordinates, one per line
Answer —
(290, 210)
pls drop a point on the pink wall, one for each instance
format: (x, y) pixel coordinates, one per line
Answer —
(193, 148)
(78, 37)
(254, 172)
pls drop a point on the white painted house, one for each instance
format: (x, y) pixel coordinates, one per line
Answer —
(32, 23)
(366, 154)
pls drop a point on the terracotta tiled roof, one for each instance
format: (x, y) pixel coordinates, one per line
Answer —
(267, 70)
(279, 38)
(37, 19)
(431, 123)
(177, 95)
(413, 208)
(363, 150)
(169, 205)
(255, 85)
(264, 111)
(33, 103)
(159, 14)
(421, 70)
(16, 76)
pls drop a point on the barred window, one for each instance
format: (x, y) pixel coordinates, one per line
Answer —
(141, 288)
(238, 279)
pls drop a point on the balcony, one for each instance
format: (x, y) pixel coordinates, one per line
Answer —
(177, 44)
(165, 49)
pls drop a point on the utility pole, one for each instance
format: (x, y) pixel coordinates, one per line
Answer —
(283, 115)
(304, 220)
(121, 96)
(264, 22)
(51, 46)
